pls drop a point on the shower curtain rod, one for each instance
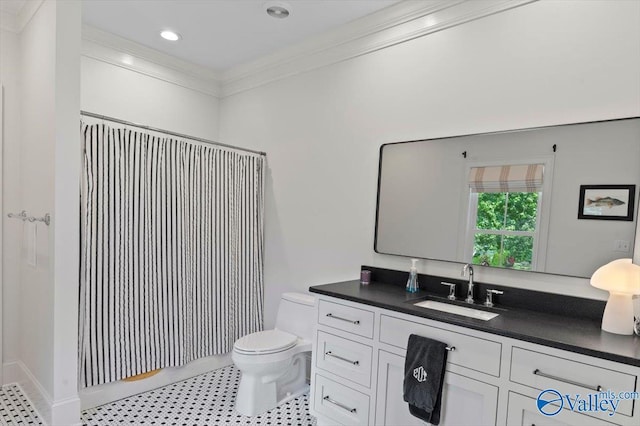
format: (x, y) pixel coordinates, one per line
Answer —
(167, 132)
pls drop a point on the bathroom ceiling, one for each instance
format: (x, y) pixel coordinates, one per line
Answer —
(221, 34)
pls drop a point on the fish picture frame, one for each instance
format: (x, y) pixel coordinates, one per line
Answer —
(607, 202)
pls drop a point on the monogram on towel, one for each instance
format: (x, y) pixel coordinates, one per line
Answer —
(424, 369)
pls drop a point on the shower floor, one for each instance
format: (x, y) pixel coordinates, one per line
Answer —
(207, 399)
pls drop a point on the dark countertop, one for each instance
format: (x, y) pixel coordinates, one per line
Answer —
(580, 335)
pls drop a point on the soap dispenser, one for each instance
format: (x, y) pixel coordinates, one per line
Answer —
(412, 282)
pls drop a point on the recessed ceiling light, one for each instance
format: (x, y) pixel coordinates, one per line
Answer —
(170, 35)
(277, 11)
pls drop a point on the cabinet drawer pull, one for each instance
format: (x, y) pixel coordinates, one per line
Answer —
(330, 315)
(450, 348)
(329, 353)
(338, 404)
(596, 388)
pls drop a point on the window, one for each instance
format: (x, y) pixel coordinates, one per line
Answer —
(505, 234)
(504, 215)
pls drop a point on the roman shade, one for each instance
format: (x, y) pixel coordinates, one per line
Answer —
(507, 178)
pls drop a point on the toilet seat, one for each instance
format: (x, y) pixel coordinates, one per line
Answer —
(265, 342)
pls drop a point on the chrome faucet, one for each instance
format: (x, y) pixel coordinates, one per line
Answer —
(468, 268)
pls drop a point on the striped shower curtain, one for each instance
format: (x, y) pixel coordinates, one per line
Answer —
(172, 252)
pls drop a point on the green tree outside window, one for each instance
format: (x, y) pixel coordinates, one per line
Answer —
(505, 229)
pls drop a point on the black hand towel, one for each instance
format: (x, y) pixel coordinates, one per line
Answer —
(424, 368)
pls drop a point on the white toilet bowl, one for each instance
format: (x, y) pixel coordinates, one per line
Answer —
(275, 363)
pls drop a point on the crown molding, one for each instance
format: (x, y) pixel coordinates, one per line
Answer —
(124, 53)
(393, 16)
(15, 22)
(399, 23)
(396, 24)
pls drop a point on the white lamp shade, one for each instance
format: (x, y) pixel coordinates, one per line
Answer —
(622, 279)
(618, 276)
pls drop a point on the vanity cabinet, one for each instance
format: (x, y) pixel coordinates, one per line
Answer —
(343, 359)
(358, 371)
(465, 401)
(346, 358)
(355, 321)
(340, 404)
(541, 371)
(469, 352)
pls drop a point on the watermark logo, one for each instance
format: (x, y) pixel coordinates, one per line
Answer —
(420, 374)
(550, 402)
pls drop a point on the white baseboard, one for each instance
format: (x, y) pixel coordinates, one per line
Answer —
(67, 411)
(17, 372)
(12, 373)
(108, 392)
(62, 412)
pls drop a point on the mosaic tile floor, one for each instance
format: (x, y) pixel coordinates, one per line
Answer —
(15, 408)
(207, 399)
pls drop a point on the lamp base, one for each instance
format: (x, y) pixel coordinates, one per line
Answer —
(618, 314)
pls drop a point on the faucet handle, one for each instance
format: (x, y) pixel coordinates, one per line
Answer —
(467, 268)
(490, 293)
(452, 290)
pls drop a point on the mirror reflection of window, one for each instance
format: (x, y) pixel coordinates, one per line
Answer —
(504, 215)
(505, 229)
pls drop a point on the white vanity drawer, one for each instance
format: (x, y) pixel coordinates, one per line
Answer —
(569, 377)
(347, 318)
(344, 358)
(470, 352)
(340, 403)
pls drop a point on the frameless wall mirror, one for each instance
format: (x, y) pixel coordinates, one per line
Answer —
(559, 199)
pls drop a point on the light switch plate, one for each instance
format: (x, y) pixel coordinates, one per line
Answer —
(622, 246)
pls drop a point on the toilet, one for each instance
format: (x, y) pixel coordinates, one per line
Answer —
(275, 363)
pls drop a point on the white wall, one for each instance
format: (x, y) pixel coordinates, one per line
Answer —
(118, 92)
(38, 61)
(12, 229)
(41, 65)
(66, 216)
(541, 64)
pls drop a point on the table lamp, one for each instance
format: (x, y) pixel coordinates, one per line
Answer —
(621, 279)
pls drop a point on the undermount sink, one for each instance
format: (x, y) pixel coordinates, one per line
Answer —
(458, 310)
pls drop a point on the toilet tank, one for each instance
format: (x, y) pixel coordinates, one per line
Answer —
(296, 314)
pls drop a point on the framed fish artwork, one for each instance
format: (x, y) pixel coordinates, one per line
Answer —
(606, 202)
